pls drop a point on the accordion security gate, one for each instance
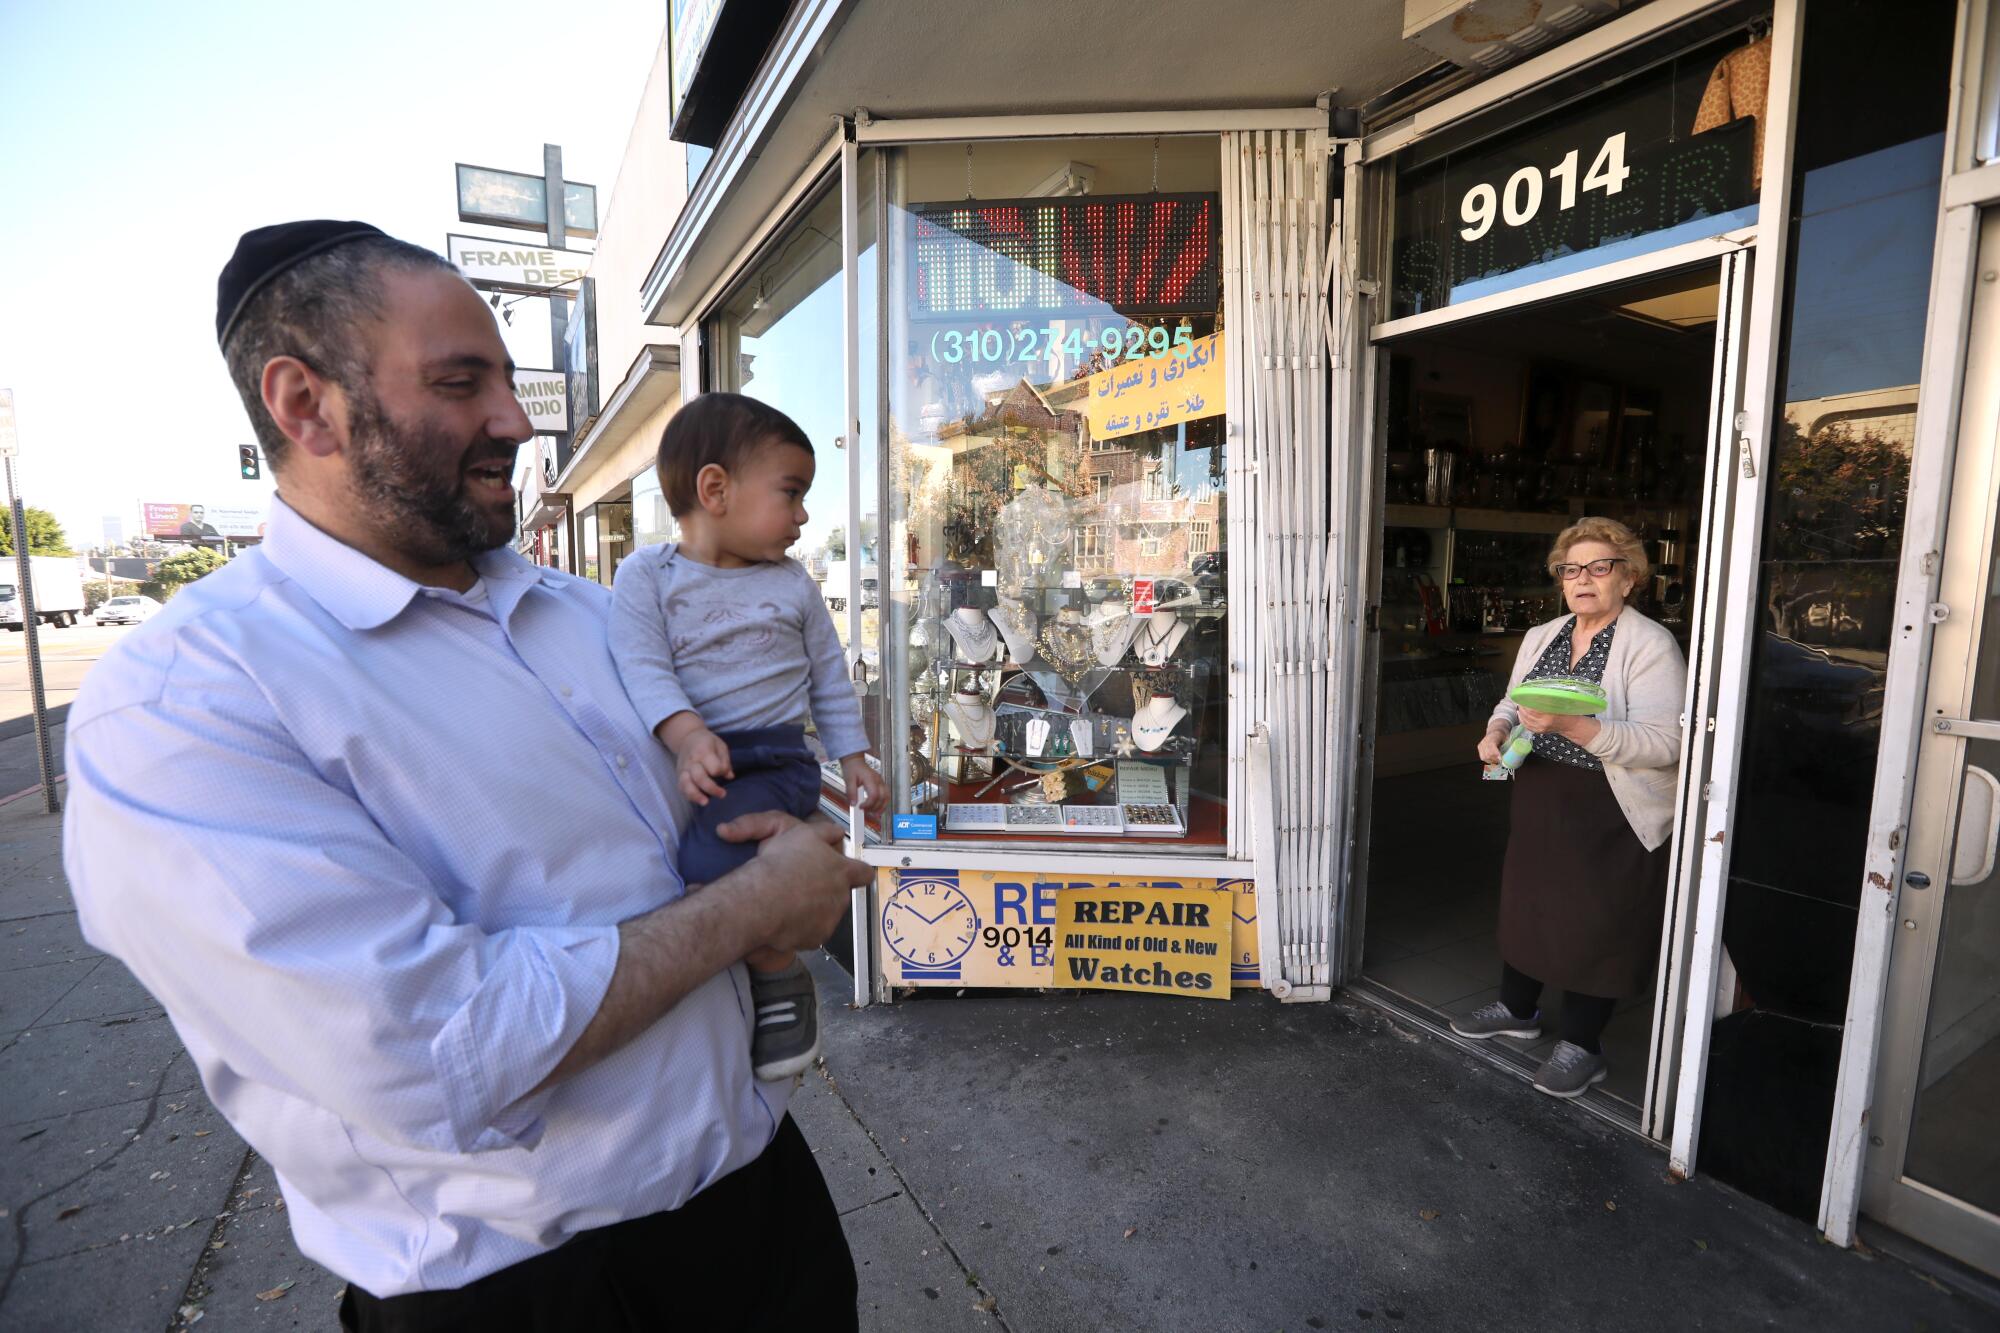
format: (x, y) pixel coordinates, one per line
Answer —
(1279, 244)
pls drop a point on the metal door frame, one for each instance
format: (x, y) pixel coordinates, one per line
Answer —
(1932, 1215)
(1971, 183)
(1698, 701)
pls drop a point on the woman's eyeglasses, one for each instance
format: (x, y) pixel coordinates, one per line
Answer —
(1598, 569)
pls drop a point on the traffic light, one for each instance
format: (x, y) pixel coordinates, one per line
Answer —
(246, 455)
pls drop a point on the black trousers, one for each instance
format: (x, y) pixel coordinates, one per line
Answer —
(761, 1248)
(1584, 1017)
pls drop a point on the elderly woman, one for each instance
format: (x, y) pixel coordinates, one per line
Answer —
(1585, 876)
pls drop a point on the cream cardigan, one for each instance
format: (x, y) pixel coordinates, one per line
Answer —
(1639, 732)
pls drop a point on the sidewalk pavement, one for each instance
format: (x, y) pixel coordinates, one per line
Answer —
(1016, 1163)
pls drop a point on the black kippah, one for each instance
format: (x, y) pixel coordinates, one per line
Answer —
(262, 255)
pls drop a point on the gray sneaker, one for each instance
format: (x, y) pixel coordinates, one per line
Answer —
(1496, 1020)
(786, 1038)
(1569, 1071)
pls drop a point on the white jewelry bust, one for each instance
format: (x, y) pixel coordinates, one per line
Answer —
(974, 635)
(1112, 629)
(972, 718)
(1159, 638)
(1017, 625)
(1156, 720)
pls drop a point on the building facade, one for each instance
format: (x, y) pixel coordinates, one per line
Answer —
(592, 497)
(1190, 451)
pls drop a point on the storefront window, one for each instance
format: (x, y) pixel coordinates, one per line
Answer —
(559, 543)
(586, 544)
(1056, 451)
(614, 537)
(779, 337)
(651, 523)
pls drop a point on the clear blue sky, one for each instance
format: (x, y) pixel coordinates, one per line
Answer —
(142, 139)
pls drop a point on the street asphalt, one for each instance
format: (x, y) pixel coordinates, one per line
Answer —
(1022, 1162)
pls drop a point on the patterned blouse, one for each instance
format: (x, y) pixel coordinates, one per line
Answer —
(1554, 661)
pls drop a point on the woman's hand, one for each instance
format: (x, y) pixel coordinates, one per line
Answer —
(1490, 743)
(1580, 730)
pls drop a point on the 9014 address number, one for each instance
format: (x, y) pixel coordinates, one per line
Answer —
(1517, 202)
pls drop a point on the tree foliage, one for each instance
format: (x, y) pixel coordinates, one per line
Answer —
(45, 535)
(177, 571)
(1834, 533)
(1837, 494)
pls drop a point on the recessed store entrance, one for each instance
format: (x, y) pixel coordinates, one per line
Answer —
(1496, 435)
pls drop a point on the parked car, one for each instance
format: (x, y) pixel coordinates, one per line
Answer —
(126, 610)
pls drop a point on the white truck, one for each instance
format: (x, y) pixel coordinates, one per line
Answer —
(834, 586)
(58, 590)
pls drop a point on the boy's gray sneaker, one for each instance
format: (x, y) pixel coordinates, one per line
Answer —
(1569, 1071)
(1496, 1020)
(786, 1038)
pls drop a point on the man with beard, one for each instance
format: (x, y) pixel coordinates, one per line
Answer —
(368, 811)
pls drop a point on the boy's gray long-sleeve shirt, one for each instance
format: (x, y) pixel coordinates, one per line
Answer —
(743, 648)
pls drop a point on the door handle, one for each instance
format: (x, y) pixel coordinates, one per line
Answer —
(1974, 849)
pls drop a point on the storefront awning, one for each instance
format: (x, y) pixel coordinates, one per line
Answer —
(891, 57)
(653, 380)
(546, 511)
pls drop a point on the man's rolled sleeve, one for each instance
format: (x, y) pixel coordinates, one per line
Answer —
(267, 911)
(542, 993)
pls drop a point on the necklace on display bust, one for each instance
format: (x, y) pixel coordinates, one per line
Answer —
(1081, 737)
(1066, 644)
(972, 718)
(1017, 625)
(1038, 736)
(1152, 724)
(1111, 631)
(1162, 634)
(973, 633)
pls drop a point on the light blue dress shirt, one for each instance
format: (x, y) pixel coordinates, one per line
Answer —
(368, 843)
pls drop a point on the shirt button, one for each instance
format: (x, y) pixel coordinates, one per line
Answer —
(622, 761)
(567, 691)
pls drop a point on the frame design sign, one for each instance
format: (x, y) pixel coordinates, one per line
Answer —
(509, 266)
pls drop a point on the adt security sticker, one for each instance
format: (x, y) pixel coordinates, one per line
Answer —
(913, 826)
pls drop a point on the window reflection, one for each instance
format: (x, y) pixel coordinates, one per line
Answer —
(1057, 474)
(1865, 199)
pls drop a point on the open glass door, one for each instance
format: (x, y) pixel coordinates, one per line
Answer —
(1499, 433)
(1706, 597)
(1934, 1162)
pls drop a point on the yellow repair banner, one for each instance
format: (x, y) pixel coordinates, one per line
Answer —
(1120, 938)
(980, 928)
(1165, 389)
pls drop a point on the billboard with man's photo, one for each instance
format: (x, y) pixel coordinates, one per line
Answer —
(203, 523)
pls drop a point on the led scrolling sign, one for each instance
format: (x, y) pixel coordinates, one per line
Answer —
(1029, 258)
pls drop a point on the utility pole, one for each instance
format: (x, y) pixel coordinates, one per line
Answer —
(10, 448)
(558, 207)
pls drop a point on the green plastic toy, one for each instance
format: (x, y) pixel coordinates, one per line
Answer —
(1562, 695)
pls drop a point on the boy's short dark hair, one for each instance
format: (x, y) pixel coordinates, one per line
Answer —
(721, 428)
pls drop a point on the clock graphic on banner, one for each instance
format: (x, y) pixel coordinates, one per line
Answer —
(929, 922)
